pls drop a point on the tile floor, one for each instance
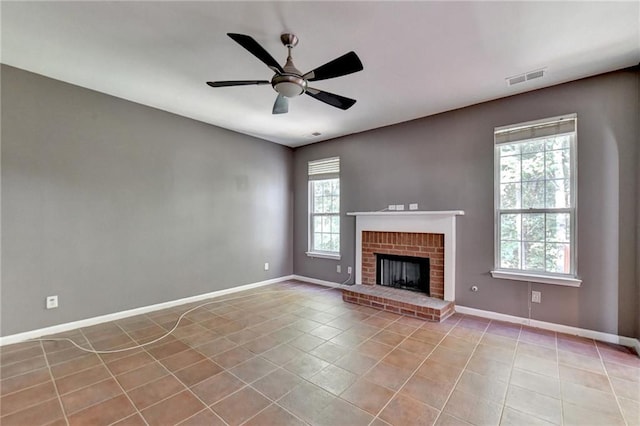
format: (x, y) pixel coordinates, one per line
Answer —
(294, 354)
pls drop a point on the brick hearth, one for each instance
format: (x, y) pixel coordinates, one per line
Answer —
(399, 301)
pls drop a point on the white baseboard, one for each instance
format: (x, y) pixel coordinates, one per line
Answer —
(319, 282)
(60, 328)
(559, 328)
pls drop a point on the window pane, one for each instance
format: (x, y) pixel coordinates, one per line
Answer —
(334, 205)
(533, 227)
(317, 188)
(510, 227)
(534, 257)
(532, 147)
(326, 224)
(533, 166)
(558, 142)
(317, 241)
(317, 223)
(510, 196)
(558, 227)
(509, 149)
(510, 255)
(533, 194)
(557, 164)
(559, 258)
(335, 224)
(334, 243)
(326, 242)
(510, 169)
(326, 205)
(558, 193)
(317, 205)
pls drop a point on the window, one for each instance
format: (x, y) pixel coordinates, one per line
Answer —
(324, 208)
(535, 195)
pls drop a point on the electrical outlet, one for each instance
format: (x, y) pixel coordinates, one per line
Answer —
(399, 206)
(536, 297)
(413, 206)
(348, 269)
(338, 268)
(266, 266)
(52, 302)
(391, 207)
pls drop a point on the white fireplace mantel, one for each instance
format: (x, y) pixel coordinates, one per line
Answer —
(433, 222)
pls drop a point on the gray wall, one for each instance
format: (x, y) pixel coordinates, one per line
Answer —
(445, 162)
(112, 205)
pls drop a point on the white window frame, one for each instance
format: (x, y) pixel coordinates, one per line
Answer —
(322, 170)
(526, 132)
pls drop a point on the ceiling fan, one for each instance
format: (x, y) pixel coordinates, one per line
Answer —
(288, 81)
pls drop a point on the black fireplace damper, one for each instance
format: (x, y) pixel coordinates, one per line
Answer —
(407, 272)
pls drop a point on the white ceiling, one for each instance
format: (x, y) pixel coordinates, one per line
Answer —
(420, 58)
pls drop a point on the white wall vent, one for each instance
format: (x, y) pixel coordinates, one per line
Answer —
(516, 79)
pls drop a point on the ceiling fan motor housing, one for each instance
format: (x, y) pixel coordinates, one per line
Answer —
(290, 83)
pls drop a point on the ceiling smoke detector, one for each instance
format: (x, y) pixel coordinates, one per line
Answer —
(521, 78)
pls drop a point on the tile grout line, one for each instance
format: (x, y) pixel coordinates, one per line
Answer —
(307, 380)
(302, 378)
(275, 402)
(615, 394)
(333, 363)
(26, 387)
(414, 372)
(247, 384)
(55, 385)
(397, 346)
(513, 363)
(104, 364)
(188, 388)
(559, 379)
(455, 384)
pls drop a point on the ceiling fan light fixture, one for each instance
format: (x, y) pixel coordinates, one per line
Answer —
(289, 86)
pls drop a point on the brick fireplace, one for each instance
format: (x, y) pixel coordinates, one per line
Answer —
(423, 245)
(442, 223)
(406, 233)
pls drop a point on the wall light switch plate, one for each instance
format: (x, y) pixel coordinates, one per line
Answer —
(338, 268)
(266, 266)
(413, 206)
(399, 206)
(391, 207)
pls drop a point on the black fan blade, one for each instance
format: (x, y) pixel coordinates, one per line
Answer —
(281, 105)
(331, 98)
(236, 83)
(345, 64)
(256, 50)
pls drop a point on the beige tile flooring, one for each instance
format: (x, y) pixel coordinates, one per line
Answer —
(293, 353)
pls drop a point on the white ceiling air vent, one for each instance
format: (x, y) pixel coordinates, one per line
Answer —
(525, 77)
(312, 135)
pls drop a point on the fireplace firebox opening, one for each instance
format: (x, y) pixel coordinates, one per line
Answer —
(406, 272)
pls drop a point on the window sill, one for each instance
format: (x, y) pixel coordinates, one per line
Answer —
(323, 255)
(543, 279)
